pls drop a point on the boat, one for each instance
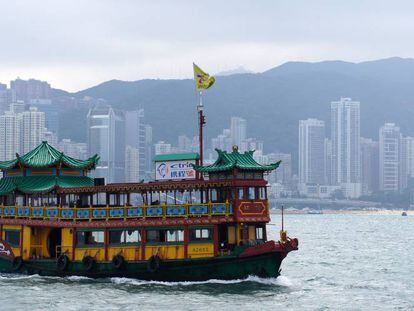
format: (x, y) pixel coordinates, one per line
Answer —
(315, 212)
(404, 214)
(193, 222)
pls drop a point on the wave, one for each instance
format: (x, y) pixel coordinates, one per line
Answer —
(280, 281)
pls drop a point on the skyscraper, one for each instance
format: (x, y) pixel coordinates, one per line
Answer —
(345, 137)
(20, 132)
(30, 89)
(283, 174)
(406, 162)
(10, 124)
(184, 144)
(148, 151)
(238, 128)
(132, 163)
(389, 157)
(32, 129)
(136, 137)
(7, 96)
(106, 137)
(74, 149)
(328, 161)
(311, 151)
(369, 165)
(51, 113)
(162, 148)
(222, 141)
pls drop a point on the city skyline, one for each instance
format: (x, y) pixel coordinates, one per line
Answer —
(340, 161)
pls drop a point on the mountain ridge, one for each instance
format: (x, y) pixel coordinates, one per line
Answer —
(273, 101)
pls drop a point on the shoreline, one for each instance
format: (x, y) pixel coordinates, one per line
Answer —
(344, 212)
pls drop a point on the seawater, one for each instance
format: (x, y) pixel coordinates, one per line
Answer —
(344, 262)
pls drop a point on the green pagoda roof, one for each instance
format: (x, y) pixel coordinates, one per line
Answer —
(230, 160)
(45, 155)
(41, 184)
(176, 156)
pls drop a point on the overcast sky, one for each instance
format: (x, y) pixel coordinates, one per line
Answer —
(77, 44)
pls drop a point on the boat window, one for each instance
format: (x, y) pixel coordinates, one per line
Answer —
(240, 193)
(90, 237)
(170, 197)
(196, 196)
(262, 193)
(124, 236)
(213, 195)
(175, 235)
(155, 236)
(160, 236)
(259, 233)
(12, 237)
(251, 193)
(201, 234)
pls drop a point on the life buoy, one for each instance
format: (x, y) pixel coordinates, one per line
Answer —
(118, 261)
(17, 263)
(62, 262)
(153, 263)
(88, 262)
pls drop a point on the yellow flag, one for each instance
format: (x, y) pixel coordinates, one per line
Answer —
(202, 79)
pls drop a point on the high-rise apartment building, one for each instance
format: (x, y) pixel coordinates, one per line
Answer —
(184, 144)
(369, 165)
(137, 137)
(148, 151)
(311, 151)
(32, 129)
(283, 174)
(132, 164)
(223, 141)
(162, 148)
(328, 161)
(26, 90)
(7, 96)
(20, 132)
(51, 113)
(407, 163)
(74, 149)
(389, 157)
(106, 137)
(10, 125)
(345, 138)
(238, 129)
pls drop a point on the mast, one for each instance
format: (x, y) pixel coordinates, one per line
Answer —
(201, 122)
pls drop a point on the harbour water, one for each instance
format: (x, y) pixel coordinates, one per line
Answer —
(345, 262)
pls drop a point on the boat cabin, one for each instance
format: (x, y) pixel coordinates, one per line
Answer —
(50, 206)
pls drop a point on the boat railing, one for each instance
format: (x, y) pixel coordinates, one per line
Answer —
(117, 212)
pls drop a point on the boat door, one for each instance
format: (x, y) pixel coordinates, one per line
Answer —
(223, 237)
(54, 240)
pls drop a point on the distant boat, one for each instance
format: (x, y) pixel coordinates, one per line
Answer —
(315, 212)
(404, 214)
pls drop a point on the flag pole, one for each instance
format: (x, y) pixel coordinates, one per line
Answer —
(201, 122)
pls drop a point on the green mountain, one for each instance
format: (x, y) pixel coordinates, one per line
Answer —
(272, 102)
